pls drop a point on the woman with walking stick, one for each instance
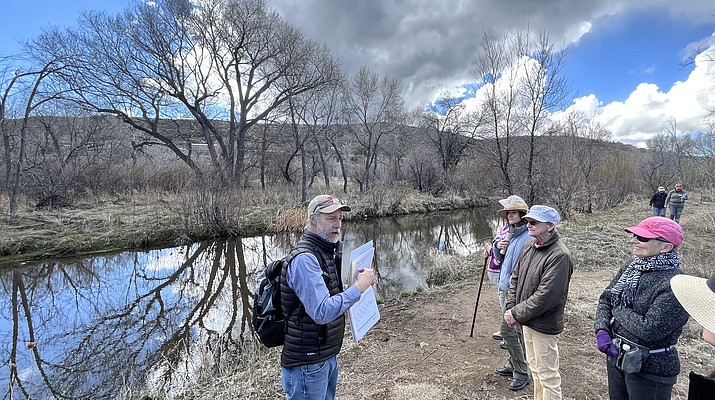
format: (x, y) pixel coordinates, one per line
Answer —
(507, 249)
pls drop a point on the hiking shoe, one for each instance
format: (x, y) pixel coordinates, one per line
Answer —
(518, 384)
(502, 344)
(497, 335)
(505, 371)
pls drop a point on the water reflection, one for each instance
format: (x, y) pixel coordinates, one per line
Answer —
(101, 326)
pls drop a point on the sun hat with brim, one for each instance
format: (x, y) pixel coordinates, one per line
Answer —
(326, 204)
(697, 296)
(510, 199)
(659, 228)
(543, 214)
(513, 206)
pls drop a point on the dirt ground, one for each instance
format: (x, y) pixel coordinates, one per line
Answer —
(421, 348)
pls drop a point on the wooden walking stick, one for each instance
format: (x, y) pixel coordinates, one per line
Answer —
(479, 292)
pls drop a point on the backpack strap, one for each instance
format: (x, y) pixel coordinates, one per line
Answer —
(300, 249)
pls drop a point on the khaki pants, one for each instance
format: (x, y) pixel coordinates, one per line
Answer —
(542, 354)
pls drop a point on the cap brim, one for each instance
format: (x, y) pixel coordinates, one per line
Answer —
(640, 231)
(333, 208)
(696, 298)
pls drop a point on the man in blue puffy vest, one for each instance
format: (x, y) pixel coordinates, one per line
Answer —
(311, 286)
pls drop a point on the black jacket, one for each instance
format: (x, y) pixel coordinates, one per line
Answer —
(658, 200)
(307, 342)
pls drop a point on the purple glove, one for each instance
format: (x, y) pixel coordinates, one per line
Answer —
(605, 344)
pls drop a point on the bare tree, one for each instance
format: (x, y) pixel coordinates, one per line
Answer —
(541, 90)
(450, 128)
(373, 104)
(234, 60)
(579, 145)
(26, 86)
(658, 166)
(680, 145)
(705, 152)
(262, 62)
(521, 84)
(494, 71)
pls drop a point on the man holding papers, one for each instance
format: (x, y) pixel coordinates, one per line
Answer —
(312, 296)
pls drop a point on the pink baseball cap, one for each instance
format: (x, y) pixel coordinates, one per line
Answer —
(659, 227)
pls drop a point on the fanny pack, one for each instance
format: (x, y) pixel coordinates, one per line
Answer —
(631, 356)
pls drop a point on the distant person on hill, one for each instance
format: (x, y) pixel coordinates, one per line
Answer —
(658, 202)
(676, 202)
(697, 296)
(507, 251)
(638, 318)
(537, 298)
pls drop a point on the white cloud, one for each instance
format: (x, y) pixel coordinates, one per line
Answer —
(648, 108)
(430, 47)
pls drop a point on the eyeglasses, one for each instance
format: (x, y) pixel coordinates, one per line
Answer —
(533, 222)
(646, 240)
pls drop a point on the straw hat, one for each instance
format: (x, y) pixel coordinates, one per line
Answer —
(697, 296)
(515, 205)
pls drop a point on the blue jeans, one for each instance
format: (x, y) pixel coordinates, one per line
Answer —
(311, 382)
(623, 386)
(675, 213)
(659, 211)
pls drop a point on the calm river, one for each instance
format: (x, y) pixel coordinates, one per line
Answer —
(102, 327)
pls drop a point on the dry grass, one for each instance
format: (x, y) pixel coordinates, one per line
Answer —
(154, 219)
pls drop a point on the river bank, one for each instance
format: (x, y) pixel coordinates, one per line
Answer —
(153, 220)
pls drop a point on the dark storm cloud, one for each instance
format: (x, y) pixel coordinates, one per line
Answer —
(430, 45)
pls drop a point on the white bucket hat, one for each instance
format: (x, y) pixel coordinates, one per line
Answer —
(697, 296)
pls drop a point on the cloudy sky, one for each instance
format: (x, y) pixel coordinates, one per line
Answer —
(626, 59)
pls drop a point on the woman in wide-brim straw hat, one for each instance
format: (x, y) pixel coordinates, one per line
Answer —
(697, 296)
(506, 248)
(638, 318)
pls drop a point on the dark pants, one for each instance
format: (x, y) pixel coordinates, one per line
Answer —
(623, 386)
(515, 346)
(675, 213)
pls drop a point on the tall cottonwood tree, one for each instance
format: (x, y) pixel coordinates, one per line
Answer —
(262, 62)
(313, 117)
(542, 89)
(520, 84)
(372, 107)
(494, 71)
(233, 60)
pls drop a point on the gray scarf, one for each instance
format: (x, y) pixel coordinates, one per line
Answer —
(623, 293)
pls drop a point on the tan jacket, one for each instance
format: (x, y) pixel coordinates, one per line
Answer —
(539, 286)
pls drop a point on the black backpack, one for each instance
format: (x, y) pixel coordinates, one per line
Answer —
(268, 320)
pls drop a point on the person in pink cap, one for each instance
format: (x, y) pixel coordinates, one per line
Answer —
(638, 317)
